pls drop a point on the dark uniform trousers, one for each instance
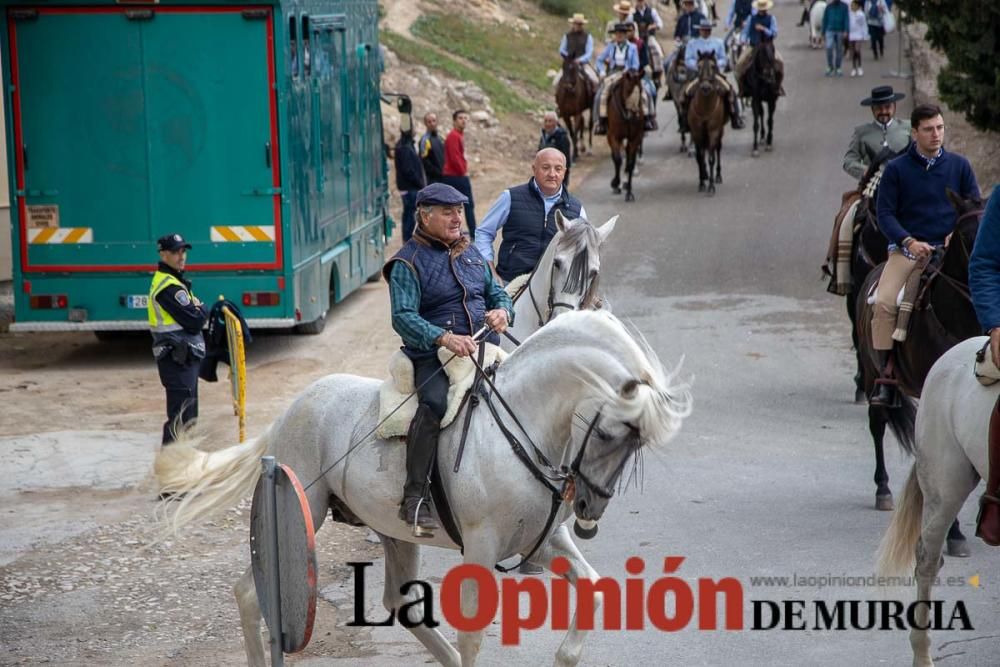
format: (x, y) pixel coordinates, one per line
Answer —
(181, 383)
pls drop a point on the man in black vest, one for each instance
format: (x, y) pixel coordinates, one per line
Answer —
(527, 215)
(442, 293)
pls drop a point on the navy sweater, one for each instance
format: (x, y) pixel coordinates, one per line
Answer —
(912, 200)
(984, 268)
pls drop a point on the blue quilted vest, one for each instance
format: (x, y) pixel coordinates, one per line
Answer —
(527, 232)
(452, 289)
(744, 8)
(755, 35)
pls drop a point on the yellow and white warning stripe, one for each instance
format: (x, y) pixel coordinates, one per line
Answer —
(61, 235)
(243, 233)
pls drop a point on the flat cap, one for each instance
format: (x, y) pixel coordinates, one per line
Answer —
(172, 242)
(440, 194)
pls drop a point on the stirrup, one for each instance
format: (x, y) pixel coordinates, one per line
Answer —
(420, 526)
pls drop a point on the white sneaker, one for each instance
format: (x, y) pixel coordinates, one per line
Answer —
(861, 72)
(854, 72)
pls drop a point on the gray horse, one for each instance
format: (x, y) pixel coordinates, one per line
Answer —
(588, 393)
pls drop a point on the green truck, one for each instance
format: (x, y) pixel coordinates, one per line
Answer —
(254, 130)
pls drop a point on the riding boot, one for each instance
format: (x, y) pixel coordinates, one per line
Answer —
(650, 124)
(601, 127)
(884, 394)
(421, 447)
(988, 521)
(734, 112)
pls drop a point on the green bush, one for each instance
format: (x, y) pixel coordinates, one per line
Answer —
(558, 7)
(968, 32)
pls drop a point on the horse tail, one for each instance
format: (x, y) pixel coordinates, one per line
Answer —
(902, 421)
(897, 552)
(206, 482)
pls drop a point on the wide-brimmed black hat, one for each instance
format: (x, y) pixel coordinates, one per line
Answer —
(172, 242)
(882, 95)
(440, 194)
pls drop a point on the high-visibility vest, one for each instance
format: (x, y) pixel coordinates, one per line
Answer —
(161, 321)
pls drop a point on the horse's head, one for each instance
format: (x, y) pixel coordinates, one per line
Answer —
(708, 70)
(763, 64)
(573, 259)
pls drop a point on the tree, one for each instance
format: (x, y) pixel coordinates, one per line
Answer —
(968, 32)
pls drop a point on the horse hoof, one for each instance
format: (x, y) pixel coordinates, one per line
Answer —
(769, 148)
(884, 503)
(755, 153)
(683, 149)
(616, 191)
(701, 187)
(860, 397)
(711, 192)
(958, 549)
(690, 153)
(629, 196)
(718, 179)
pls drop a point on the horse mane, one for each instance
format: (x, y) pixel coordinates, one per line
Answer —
(655, 402)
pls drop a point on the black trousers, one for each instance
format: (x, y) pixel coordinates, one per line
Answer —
(181, 383)
(434, 394)
(464, 185)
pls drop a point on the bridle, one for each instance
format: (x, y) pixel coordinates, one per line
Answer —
(937, 271)
(551, 303)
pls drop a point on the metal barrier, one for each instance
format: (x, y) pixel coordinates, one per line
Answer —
(237, 369)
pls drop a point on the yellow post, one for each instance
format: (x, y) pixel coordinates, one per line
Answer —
(237, 369)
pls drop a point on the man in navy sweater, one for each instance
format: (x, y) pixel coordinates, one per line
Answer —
(915, 215)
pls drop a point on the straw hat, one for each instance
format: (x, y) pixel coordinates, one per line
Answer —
(623, 7)
(578, 18)
(764, 4)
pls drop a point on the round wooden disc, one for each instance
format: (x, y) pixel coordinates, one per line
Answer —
(296, 558)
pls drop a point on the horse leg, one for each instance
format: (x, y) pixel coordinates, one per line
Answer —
(876, 425)
(402, 564)
(946, 479)
(616, 157)
(250, 615)
(568, 119)
(757, 123)
(711, 170)
(770, 126)
(479, 550)
(956, 546)
(630, 155)
(700, 156)
(718, 162)
(562, 545)
(859, 381)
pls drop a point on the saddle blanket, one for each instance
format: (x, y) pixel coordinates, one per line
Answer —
(986, 371)
(461, 374)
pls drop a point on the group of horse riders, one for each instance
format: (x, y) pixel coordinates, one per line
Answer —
(915, 215)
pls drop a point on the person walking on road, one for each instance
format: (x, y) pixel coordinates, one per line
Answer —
(836, 27)
(432, 150)
(176, 317)
(409, 179)
(858, 36)
(916, 217)
(527, 215)
(876, 10)
(556, 136)
(456, 170)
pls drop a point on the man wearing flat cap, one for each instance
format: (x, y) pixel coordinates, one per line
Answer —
(884, 133)
(442, 292)
(176, 318)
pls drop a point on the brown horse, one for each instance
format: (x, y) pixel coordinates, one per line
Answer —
(626, 122)
(706, 117)
(942, 317)
(574, 96)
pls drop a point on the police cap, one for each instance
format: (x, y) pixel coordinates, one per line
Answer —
(172, 242)
(440, 194)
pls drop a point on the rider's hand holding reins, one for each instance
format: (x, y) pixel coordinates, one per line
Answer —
(919, 249)
(461, 346)
(497, 320)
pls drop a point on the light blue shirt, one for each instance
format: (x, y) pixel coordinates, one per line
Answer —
(731, 16)
(496, 217)
(588, 51)
(630, 58)
(699, 44)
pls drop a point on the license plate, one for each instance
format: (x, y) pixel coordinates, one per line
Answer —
(137, 300)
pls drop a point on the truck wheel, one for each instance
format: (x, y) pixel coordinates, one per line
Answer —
(312, 328)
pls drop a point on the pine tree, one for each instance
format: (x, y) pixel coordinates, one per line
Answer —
(968, 32)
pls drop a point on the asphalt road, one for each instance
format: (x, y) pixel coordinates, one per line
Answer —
(772, 475)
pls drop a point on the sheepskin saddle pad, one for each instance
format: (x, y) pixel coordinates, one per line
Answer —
(461, 374)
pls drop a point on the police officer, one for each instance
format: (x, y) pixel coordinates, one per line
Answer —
(176, 318)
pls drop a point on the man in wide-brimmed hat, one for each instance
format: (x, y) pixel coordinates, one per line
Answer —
(623, 14)
(884, 133)
(617, 58)
(578, 45)
(761, 26)
(705, 43)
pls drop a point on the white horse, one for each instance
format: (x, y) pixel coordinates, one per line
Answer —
(588, 393)
(565, 277)
(816, 24)
(951, 439)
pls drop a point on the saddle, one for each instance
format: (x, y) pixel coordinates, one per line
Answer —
(461, 374)
(912, 295)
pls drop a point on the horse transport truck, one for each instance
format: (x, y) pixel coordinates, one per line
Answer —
(253, 130)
